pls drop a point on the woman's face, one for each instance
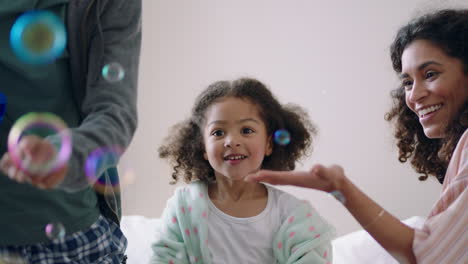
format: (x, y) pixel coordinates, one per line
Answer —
(435, 84)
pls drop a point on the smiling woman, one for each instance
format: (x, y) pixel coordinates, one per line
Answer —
(431, 119)
(430, 55)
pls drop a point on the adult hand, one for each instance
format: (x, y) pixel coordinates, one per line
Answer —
(34, 151)
(319, 177)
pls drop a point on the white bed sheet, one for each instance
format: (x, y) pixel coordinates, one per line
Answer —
(141, 232)
(355, 248)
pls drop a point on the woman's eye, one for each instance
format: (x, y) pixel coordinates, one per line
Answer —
(247, 131)
(407, 84)
(217, 133)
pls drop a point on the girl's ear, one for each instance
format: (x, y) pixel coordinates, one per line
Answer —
(269, 146)
(205, 156)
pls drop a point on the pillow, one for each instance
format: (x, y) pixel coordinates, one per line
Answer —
(141, 232)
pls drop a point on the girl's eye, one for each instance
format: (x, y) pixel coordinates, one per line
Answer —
(407, 84)
(217, 133)
(247, 131)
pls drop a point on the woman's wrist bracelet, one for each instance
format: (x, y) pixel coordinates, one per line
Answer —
(381, 213)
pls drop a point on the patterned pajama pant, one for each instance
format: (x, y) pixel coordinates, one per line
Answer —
(102, 243)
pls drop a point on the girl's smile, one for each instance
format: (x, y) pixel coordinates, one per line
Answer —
(235, 138)
(234, 159)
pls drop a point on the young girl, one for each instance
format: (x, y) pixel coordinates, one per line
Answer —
(220, 218)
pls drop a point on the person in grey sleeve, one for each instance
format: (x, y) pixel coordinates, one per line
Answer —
(99, 114)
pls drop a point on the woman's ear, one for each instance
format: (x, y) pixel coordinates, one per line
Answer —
(205, 156)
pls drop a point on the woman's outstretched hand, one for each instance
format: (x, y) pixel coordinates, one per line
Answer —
(319, 177)
(394, 236)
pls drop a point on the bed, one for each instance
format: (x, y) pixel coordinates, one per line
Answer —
(354, 248)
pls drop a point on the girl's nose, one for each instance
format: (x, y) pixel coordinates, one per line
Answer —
(231, 142)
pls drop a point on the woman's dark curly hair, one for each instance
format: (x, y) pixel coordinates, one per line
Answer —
(448, 30)
(185, 147)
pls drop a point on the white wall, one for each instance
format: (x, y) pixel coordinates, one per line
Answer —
(331, 57)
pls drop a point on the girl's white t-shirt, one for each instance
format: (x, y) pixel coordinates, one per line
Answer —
(233, 240)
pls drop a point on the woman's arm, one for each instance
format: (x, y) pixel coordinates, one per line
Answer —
(387, 230)
(393, 235)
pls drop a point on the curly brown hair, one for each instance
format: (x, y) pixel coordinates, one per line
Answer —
(185, 147)
(448, 30)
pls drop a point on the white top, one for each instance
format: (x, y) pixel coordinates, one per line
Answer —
(248, 240)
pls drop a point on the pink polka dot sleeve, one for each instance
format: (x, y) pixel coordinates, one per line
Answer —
(182, 238)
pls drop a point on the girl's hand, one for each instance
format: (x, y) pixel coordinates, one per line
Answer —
(34, 150)
(319, 177)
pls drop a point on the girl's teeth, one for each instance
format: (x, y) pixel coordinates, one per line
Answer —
(235, 158)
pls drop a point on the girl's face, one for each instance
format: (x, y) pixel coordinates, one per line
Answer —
(435, 85)
(235, 138)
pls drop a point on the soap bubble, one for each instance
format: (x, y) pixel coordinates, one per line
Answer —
(128, 177)
(55, 231)
(282, 137)
(97, 168)
(113, 72)
(41, 125)
(38, 37)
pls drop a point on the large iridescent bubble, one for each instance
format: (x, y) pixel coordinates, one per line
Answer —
(38, 37)
(42, 125)
(97, 168)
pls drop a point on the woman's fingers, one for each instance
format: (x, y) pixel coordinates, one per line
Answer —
(318, 177)
(296, 178)
(279, 177)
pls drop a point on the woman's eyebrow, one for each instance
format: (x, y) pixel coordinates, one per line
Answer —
(420, 67)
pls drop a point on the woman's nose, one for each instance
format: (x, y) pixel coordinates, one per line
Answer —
(418, 92)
